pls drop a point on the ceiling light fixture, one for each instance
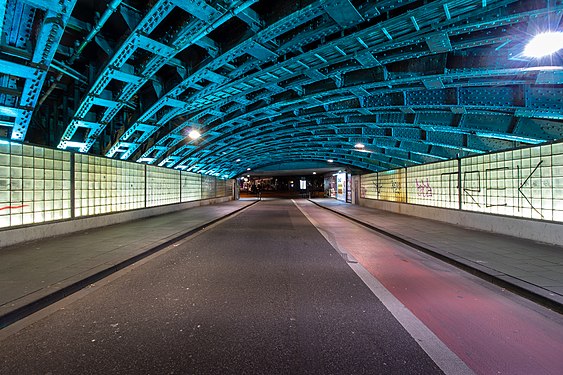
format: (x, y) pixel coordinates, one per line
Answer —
(330, 160)
(194, 134)
(544, 44)
(359, 145)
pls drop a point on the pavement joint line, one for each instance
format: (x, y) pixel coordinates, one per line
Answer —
(494, 278)
(62, 292)
(436, 349)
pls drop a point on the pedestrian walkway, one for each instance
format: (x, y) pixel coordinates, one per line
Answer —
(37, 273)
(532, 269)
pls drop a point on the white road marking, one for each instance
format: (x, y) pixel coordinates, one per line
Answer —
(444, 358)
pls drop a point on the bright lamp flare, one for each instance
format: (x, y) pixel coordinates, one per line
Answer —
(360, 145)
(544, 44)
(194, 134)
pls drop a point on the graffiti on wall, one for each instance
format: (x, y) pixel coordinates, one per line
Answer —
(495, 190)
(523, 183)
(423, 188)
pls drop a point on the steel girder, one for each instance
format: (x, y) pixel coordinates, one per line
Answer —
(282, 73)
(205, 19)
(33, 69)
(432, 87)
(159, 149)
(256, 46)
(415, 81)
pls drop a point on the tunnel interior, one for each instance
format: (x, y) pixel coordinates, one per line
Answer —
(222, 88)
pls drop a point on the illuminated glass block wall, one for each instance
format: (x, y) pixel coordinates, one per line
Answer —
(434, 184)
(105, 185)
(163, 186)
(229, 188)
(368, 186)
(391, 185)
(39, 185)
(208, 187)
(35, 185)
(525, 183)
(191, 186)
(220, 187)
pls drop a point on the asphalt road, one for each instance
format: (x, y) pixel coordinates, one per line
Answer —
(260, 293)
(492, 330)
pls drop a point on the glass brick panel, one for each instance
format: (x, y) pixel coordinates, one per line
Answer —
(208, 184)
(434, 184)
(106, 185)
(191, 186)
(32, 189)
(163, 186)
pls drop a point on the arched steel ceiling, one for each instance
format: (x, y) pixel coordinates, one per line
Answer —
(271, 81)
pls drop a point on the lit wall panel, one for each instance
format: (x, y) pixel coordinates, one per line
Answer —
(208, 185)
(191, 186)
(368, 186)
(163, 186)
(391, 185)
(434, 184)
(220, 188)
(230, 188)
(525, 183)
(105, 185)
(35, 184)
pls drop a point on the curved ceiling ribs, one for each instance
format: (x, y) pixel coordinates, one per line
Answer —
(269, 82)
(24, 62)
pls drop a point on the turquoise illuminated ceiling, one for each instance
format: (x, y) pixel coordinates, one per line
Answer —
(274, 82)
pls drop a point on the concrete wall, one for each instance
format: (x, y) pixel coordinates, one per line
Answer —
(536, 230)
(40, 231)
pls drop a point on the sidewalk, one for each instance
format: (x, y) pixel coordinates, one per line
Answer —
(532, 269)
(35, 274)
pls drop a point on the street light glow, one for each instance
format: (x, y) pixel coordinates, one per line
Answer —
(544, 44)
(194, 134)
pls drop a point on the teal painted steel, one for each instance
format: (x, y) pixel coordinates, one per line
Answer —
(268, 82)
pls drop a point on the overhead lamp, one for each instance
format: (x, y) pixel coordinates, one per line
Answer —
(237, 160)
(314, 172)
(194, 134)
(360, 145)
(247, 169)
(330, 160)
(544, 44)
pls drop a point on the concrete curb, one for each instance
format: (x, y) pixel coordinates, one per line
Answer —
(42, 302)
(515, 285)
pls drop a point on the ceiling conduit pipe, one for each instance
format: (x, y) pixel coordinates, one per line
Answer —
(112, 7)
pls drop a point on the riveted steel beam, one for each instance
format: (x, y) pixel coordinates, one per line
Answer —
(251, 18)
(47, 40)
(441, 79)
(213, 20)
